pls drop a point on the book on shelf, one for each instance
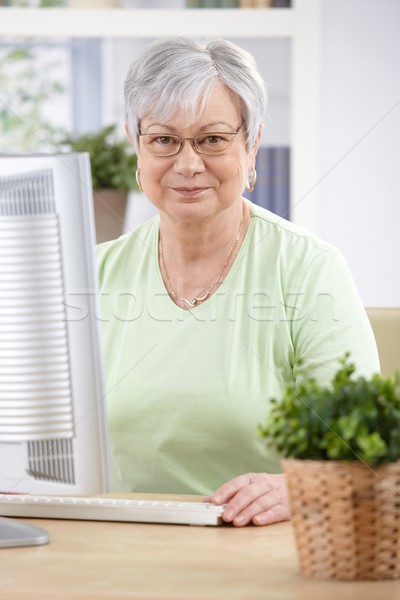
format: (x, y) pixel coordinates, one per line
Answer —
(264, 3)
(211, 3)
(281, 3)
(254, 3)
(272, 186)
(228, 3)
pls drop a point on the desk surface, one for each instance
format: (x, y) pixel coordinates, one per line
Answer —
(101, 560)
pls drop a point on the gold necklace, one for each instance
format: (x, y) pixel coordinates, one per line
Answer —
(206, 294)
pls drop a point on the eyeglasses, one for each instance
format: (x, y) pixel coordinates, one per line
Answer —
(211, 143)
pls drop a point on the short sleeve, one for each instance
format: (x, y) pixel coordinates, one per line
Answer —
(328, 319)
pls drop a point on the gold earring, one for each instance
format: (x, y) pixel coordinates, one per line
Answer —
(138, 180)
(251, 183)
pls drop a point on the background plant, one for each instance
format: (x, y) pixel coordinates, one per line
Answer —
(112, 160)
(355, 418)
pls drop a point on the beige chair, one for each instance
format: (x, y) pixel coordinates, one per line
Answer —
(386, 325)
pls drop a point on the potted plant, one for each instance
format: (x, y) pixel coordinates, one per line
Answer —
(113, 165)
(342, 448)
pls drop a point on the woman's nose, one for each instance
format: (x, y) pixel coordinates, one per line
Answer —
(188, 161)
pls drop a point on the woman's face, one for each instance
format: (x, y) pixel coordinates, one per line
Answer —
(190, 186)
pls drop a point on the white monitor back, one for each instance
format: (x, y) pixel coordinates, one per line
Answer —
(53, 432)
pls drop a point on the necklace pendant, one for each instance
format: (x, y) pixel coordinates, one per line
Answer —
(190, 303)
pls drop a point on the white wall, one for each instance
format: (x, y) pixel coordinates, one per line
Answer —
(360, 141)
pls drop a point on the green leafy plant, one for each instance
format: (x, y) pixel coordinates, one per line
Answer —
(355, 418)
(113, 162)
(51, 3)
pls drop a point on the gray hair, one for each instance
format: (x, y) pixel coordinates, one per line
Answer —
(178, 74)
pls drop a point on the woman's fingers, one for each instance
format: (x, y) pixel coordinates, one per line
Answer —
(249, 501)
(260, 498)
(255, 499)
(228, 490)
(275, 514)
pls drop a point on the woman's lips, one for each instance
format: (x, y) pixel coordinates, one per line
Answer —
(190, 192)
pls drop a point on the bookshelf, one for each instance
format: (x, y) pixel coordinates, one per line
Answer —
(299, 24)
(145, 23)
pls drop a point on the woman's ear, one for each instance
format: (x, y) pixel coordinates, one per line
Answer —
(128, 133)
(256, 144)
(253, 152)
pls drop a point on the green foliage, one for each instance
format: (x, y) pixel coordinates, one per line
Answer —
(51, 3)
(355, 418)
(113, 162)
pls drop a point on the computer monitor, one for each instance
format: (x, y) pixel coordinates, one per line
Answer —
(53, 430)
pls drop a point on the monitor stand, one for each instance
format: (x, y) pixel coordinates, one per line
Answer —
(13, 534)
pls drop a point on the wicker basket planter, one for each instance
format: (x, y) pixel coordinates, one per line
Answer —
(346, 518)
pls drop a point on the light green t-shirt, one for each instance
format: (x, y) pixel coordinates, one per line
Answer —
(186, 389)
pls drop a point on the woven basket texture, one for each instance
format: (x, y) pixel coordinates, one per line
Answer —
(346, 518)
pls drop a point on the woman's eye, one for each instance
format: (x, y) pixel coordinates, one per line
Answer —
(164, 140)
(212, 139)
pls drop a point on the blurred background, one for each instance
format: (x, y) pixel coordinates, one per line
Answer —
(331, 142)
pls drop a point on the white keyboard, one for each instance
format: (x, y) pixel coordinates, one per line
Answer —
(110, 509)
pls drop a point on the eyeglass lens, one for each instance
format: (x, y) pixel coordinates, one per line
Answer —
(212, 143)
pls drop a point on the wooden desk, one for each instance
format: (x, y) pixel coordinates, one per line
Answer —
(98, 560)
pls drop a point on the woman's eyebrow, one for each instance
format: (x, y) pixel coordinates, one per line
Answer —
(202, 128)
(216, 124)
(161, 126)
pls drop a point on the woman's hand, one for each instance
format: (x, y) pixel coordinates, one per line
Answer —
(258, 498)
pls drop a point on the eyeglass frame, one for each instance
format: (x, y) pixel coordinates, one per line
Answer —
(192, 140)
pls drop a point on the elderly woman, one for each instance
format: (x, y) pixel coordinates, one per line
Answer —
(209, 308)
